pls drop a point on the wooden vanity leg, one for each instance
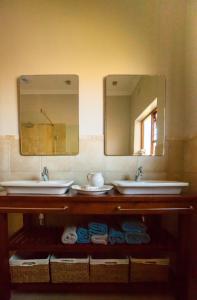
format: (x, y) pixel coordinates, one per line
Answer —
(5, 287)
(184, 259)
(193, 270)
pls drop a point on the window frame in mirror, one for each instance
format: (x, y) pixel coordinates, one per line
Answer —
(105, 115)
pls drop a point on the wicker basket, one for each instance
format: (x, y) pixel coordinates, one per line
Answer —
(69, 268)
(109, 269)
(147, 270)
(31, 268)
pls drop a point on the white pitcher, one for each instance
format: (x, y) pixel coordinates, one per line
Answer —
(95, 179)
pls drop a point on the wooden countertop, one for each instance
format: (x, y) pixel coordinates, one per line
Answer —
(110, 196)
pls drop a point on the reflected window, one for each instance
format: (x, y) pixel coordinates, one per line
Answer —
(149, 133)
(133, 102)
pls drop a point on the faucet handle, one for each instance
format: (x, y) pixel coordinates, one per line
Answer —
(45, 170)
(139, 173)
(45, 174)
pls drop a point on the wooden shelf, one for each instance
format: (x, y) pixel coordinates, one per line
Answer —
(44, 239)
(149, 287)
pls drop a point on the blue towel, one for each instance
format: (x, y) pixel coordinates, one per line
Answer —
(97, 228)
(134, 226)
(116, 236)
(137, 238)
(83, 236)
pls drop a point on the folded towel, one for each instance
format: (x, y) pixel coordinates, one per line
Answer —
(116, 236)
(97, 228)
(135, 226)
(99, 239)
(83, 236)
(137, 238)
(69, 235)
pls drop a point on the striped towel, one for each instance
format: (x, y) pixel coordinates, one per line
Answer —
(97, 228)
(116, 236)
(83, 235)
(99, 239)
(137, 238)
(135, 226)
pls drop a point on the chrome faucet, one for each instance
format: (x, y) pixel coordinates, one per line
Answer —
(45, 174)
(139, 174)
(45, 177)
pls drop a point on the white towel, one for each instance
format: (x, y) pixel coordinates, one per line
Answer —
(69, 235)
(99, 239)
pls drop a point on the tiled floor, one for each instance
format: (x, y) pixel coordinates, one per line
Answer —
(88, 297)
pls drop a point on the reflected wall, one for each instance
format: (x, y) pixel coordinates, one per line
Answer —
(48, 114)
(134, 115)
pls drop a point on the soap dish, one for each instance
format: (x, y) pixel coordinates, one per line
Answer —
(92, 190)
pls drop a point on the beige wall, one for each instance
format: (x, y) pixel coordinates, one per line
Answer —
(59, 108)
(91, 39)
(117, 125)
(182, 157)
(190, 129)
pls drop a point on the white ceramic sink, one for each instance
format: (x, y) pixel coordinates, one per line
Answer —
(53, 187)
(151, 187)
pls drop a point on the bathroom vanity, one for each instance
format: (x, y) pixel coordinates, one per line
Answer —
(112, 205)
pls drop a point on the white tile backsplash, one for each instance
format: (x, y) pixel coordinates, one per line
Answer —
(90, 158)
(19, 163)
(4, 157)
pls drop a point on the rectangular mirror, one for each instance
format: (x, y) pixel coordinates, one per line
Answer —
(134, 114)
(49, 114)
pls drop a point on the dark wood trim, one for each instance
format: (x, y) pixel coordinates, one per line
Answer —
(4, 255)
(152, 114)
(104, 208)
(192, 243)
(110, 196)
(152, 129)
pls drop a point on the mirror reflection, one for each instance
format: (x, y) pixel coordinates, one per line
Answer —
(134, 115)
(48, 114)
